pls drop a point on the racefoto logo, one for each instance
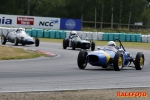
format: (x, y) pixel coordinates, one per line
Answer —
(25, 21)
(70, 24)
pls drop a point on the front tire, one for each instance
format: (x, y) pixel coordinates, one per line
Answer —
(82, 59)
(37, 42)
(118, 61)
(92, 46)
(139, 61)
(64, 44)
(73, 45)
(3, 40)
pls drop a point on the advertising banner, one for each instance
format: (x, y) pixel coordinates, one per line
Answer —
(39, 22)
(47, 22)
(7, 20)
(25, 21)
(70, 24)
(29, 21)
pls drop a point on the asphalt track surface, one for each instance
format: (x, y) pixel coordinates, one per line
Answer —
(62, 73)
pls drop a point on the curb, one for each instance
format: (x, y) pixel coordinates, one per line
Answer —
(45, 52)
(41, 51)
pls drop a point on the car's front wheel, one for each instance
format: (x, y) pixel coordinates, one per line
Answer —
(139, 61)
(73, 45)
(82, 59)
(37, 42)
(118, 61)
(64, 44)
(92, 46)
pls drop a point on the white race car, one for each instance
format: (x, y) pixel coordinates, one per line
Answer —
(19, 36)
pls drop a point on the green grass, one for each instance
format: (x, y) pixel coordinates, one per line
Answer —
(134, 45)
(116, 30)
(8, 53)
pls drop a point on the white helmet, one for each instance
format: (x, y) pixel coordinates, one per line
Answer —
(20, 29)
(111, 43)
(73, 33)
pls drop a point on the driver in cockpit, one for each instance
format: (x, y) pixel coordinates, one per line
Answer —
(72, 34)
(19, 29)
(112, 43)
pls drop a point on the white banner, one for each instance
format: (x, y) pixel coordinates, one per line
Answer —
(29, 21)
(49, 23)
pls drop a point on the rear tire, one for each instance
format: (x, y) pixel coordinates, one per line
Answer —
(92, 46)
(37, 42)
(104, 66)
(82, 59)
(118, 61)
(23, 43)
(16, 41)
(3, 40)
(139, 61)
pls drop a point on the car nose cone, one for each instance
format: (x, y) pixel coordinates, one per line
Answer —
(29, 41)
(97, 60)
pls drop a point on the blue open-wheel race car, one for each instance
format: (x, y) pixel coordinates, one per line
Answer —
(110, 56)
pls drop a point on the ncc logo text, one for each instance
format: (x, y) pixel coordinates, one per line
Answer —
(48, 23)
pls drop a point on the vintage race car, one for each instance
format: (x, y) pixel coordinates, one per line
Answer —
(77, 42)
(109, 56)
(19, 36)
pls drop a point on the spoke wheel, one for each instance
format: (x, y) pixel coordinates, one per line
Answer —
(82, 59)
(118, 61)
(139, 61)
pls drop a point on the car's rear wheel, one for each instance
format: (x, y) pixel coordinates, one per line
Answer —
(104, 66)
(73, 45)
(16, 41)
(139, 61)
(3, 40)
(82, 59)
(118, 61)
(37, 42)
(23, 43)
(92, 46)
(64, 44)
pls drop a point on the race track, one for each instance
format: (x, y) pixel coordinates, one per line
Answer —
(62, 73)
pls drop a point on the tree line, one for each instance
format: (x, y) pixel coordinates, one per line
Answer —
(104, 11)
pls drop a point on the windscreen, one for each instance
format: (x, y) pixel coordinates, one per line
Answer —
(110, 48)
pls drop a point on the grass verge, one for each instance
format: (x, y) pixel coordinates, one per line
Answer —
(8, 53)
